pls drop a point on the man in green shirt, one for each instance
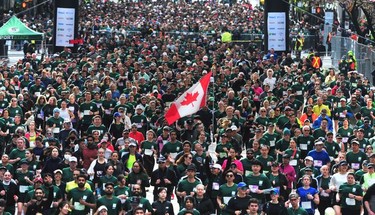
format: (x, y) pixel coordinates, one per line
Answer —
(87, 110)
(295, 209)
(55, 123)
(82, 198)
(112, 203)
(18, 153)
(136, 200)
(186, 186)
(68, 171)
(257, 182)
(172, 147)
(97, 126)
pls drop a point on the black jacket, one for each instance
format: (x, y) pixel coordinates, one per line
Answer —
(162, 208)
(11, 191)
(204, 206)
(43, 207)
(161, 174)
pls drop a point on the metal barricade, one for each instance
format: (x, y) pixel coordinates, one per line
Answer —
(364, 54)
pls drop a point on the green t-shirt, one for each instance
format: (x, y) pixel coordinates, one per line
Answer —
(266, 162)
(344, 192)
(299, 211)
(16, 153)
(101, 128)
(247, 166)
(105, 179)
(58, 122)
(113, 205)
(226, 192)
(75, 195)
(67, 174)
(172, 148)
(84, 109)
(260, 182)
(355, 160)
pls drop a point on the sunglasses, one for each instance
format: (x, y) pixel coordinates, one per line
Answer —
(229, 176)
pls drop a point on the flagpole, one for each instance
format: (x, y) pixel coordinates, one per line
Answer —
(213, 109)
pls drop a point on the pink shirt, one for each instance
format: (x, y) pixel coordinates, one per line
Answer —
(237, 162)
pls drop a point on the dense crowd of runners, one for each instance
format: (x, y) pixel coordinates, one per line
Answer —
(85, 132)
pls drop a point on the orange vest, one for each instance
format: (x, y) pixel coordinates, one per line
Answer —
(316, 62)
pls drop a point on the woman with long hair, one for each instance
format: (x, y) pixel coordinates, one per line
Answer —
(64, 208)
(38, 111)
(148, 150)
(118, 166)
(32, 160)
(97, 167)
(138, 175)
(182, 163)
(32, 134)
(73, 107)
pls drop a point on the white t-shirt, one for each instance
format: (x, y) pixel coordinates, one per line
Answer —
(271, 82)
(337, 180)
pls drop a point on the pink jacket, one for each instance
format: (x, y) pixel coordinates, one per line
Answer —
(289, 173)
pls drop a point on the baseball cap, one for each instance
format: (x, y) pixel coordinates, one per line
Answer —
(191, 167)
(56, 110)
(132, 143)
(275, 191)
(161, 160)
(343, 163)
(286, 156)
(39, 179)
(319, 143)
(116, 114)
(241, 185)
(309, 158)
(216, 166)
(370, 165)
(293, 196)
(58, 170)
(73, 159)
(24, 161)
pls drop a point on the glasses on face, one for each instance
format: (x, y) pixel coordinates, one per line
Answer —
(189, 157)
(229, 176)
(306, 130)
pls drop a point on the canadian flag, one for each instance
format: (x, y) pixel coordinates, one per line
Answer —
(190, 102)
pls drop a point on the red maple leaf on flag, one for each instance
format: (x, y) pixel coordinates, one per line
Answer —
(190, 98)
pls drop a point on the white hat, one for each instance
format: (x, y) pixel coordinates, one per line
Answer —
(216, 166)
(309, 158)
(234, 128)
(73, 159)
(103, 207)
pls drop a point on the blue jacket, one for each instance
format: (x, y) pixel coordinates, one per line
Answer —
(318, 121)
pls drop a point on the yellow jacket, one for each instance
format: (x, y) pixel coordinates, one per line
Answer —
(317, 109)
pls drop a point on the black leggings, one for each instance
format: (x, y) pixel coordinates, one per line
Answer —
(348, 211)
